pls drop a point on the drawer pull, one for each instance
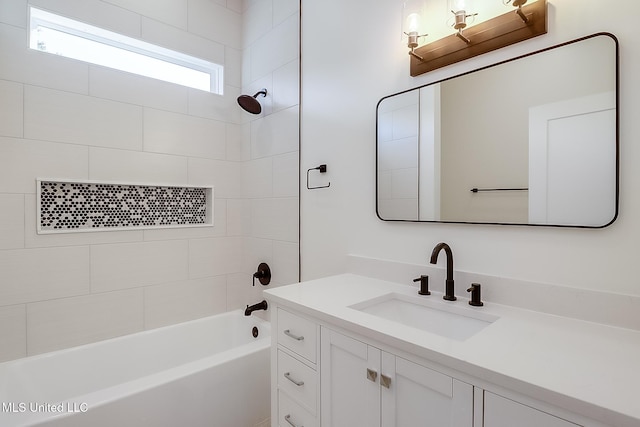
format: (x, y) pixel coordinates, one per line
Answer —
(287, 375)
(288, 333)
(385, 381)
(372, 375)
(287, 418)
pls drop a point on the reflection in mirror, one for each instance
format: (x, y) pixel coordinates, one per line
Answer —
(535, 137)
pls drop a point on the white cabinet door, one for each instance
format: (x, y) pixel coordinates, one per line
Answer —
(349, 371)
(503, 412)
(421, 397)
(364, 386)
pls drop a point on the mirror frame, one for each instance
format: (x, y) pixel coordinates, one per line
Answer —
(617, 136)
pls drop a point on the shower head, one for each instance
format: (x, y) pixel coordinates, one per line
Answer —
(250, 104)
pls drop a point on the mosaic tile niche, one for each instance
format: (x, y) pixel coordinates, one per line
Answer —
(69, 206)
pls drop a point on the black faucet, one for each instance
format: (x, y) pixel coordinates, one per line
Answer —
(262, 305)
(449, 291)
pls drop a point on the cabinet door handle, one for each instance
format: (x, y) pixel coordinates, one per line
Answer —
(287, 375)
(372, 375)
(287, 418)
(288, 333)
(385, 381)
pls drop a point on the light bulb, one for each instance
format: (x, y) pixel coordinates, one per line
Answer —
(459, 5)
(413, 23)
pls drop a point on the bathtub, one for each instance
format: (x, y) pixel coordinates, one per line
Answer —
(207, 372)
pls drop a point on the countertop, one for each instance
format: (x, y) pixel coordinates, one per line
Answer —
(584, 367)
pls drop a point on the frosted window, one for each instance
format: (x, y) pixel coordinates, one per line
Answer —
(72, 39)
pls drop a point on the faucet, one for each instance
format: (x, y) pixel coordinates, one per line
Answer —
(262, 305)
(449, 291)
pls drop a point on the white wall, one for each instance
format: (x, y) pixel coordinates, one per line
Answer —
(61, 118)
(344, 76)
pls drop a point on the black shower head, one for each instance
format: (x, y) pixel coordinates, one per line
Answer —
(250, 104)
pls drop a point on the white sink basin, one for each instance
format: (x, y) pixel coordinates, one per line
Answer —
(439, 317)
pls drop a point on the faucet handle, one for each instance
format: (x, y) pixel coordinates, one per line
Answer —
(475, 295)
(424, 285)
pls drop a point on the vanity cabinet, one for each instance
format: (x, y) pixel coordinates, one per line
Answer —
(295, 384)
(365, 386)
(502, 412)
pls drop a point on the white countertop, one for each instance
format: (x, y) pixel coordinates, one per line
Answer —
(583, 367)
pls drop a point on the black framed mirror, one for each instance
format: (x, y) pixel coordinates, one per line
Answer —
(528, 141)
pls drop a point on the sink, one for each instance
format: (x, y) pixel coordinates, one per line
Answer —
(458, 323)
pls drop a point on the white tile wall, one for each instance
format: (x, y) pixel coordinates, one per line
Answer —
(37, 274)
(186, 300)
(214, 257)
(129, 88)
(61, 118)
(129, 265)
(11, 107)
(55, 115)
(11, 221)
(172, 133)
(13, 332)
(257, 22)
(83, 319)
(22, 161)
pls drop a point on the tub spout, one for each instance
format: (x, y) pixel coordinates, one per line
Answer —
(262, 305)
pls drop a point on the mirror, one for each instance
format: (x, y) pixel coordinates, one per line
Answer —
(529, 141)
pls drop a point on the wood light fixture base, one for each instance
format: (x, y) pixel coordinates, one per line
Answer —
(504, 30)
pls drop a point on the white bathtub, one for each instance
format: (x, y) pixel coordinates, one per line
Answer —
(208, 372)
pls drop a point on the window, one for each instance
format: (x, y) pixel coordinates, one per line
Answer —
(72, 39)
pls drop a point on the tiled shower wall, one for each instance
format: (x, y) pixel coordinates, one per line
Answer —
(65, 119)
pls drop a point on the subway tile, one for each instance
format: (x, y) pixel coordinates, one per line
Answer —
(173, 12)
(256, 22)
(258, 178)
(182, 301)
(131, 88)
(13, 332)
(232, 67)
(95, 12)
(241, 292)
(39, 68)
(34, 240)
(286, 91)
(28, 275)
(172, 133)
(11, 108)
(275, 134)
(214, 257)
(238, 147)
(22, 161)
(14, 13)
(215, 22)
(275, 219)
(12, 217)
(224, 176)
(286, 175)
(238, 217)
(283, 9)
(137, 167)
(69, 322)
(277, 48)
(219, 228)
(216, 107)
(285, 269)
(129, 265)
(182, 41)
(54, 115)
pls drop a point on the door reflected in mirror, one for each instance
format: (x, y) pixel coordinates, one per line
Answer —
(530, 141)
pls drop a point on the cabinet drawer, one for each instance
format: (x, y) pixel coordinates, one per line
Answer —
(297, 334)
(298, 380)
(290, 413)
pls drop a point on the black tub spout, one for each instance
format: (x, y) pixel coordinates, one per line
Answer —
(262, 305)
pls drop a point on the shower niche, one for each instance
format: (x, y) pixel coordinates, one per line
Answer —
(65, 206)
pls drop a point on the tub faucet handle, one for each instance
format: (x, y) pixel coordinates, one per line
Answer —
(263, 274)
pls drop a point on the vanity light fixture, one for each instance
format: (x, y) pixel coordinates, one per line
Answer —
(528, 21)
(412, 18)
(461, 10)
